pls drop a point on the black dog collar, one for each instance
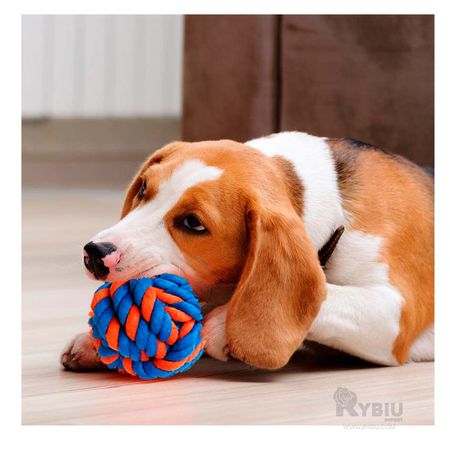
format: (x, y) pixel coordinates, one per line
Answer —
(328, 248)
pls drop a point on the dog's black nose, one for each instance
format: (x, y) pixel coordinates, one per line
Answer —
(97, 259)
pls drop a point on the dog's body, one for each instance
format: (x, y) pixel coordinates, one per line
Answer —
(244, 222)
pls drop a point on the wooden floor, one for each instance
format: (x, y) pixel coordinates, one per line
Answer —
(56, 297)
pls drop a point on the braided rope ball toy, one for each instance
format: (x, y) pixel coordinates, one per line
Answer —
(147, 327)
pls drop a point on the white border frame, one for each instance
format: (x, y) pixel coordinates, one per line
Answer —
(274, 437)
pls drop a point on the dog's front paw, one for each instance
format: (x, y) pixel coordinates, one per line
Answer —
(80, 355)
(214, 333)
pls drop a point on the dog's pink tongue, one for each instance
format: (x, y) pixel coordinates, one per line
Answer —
(111, 260)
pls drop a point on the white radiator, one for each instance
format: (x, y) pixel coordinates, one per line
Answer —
(108, 66)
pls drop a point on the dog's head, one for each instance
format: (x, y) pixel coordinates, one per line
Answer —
(221, 213)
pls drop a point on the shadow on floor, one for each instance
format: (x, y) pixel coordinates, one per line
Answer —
(312, 358)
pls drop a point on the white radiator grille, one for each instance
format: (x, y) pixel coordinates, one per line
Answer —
(101, 65)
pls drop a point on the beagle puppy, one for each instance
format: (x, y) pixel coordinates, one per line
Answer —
(244, 224)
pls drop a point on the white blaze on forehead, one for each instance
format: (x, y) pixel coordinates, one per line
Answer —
(189, 174)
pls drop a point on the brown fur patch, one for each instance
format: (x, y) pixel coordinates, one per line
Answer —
(295, 186)
(391, 197)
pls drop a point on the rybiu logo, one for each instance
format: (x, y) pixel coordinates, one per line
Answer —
(347, 400)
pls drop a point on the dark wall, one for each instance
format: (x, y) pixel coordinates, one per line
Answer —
(366, 77)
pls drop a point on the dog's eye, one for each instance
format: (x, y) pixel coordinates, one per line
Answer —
(192, 223)
(142, 190)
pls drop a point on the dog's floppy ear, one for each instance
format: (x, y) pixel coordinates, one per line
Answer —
(280, 290)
